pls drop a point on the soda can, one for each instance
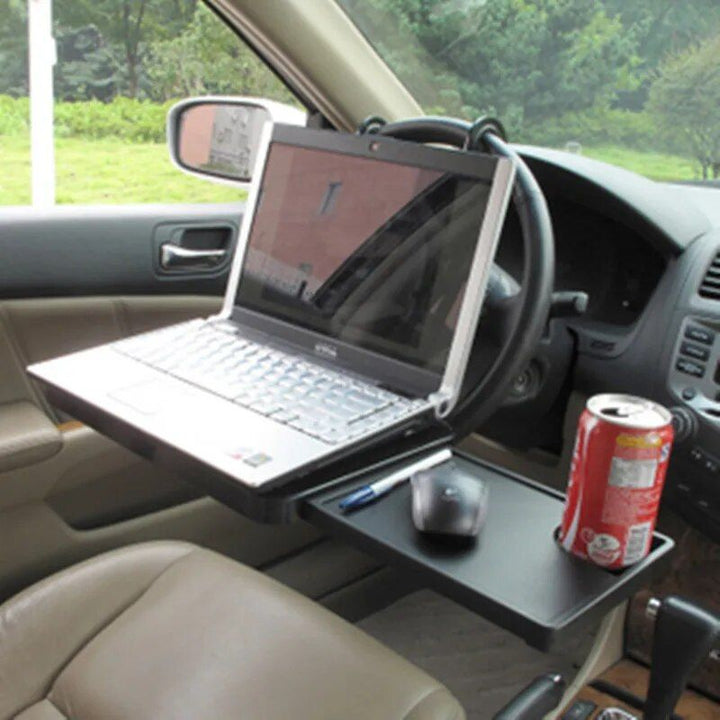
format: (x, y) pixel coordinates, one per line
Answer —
(619, 463)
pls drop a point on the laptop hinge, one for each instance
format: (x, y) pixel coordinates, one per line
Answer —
(440, 400)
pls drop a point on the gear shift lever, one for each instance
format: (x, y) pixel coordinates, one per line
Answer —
(684, 635)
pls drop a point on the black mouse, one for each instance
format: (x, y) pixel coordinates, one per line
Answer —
(447, 502)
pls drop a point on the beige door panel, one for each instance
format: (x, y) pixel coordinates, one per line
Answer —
(27, 436)
(67, 492)
(35, 541)
(146, 313)
(83, 458)
(38, 329)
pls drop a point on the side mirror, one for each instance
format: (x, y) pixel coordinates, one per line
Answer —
(218, 137)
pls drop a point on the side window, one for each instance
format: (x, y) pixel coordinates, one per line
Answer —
(120, 65)
(14, 128)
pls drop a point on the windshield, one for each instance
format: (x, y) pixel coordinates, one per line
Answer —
(636, 84)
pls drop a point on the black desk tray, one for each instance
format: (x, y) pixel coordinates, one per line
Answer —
(515, 575)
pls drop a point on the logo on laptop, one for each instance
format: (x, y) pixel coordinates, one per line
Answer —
(326, 350)
(248, 455)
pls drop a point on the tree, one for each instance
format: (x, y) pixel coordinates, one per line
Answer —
(526, 60)
(685, 98)
(128, 24)
(86, 68)
(13, 48)
(207, 58)
(662, 27)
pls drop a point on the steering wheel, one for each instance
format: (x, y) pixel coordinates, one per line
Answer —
(524, 314)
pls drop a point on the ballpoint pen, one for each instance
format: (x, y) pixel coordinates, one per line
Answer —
(367, 493)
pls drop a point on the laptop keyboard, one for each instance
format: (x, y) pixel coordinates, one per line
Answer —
(311, 398)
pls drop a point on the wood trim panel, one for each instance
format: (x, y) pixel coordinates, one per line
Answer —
(70, 425)
(633, 677)
(694, 574)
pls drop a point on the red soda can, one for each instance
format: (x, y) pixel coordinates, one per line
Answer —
(621, 455)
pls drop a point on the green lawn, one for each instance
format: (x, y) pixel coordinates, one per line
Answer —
(112, 172)
(106, 172)
(657, 166)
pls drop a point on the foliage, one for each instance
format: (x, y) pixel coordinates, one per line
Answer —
(14, 115)
(110, 172)
(662, 27)
(13, 47)
(604, 126)
(686, 97)
(86, 67)
(553, 70)
(130, 25)
(146, 49)
(526, 61)
(603, 73)
(122, 119)
(141, 121)
(206, 58)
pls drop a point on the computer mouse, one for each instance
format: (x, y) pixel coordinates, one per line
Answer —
(445, 501)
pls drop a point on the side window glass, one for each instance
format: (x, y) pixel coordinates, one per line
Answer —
(120, 65)
(14, 108)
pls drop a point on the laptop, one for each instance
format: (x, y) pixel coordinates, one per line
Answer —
(350, 310)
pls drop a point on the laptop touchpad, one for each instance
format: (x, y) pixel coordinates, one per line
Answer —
(149, 397)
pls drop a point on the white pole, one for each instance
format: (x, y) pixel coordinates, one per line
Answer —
(42, 56)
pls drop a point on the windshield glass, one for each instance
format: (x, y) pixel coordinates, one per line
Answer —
(636, 84)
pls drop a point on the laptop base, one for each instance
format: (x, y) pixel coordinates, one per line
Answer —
(278, 504)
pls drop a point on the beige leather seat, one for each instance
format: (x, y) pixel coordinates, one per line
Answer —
(168, 630)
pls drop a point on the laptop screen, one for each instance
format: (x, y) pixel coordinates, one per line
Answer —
(365, 251)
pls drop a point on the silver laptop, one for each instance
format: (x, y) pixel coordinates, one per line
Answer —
(349, 314)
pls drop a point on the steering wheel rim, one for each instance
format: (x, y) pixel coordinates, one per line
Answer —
(482, 400)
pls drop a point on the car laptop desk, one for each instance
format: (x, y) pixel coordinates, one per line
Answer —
(504, 576)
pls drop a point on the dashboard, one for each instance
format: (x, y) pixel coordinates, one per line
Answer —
(648, 256)
(612, 263)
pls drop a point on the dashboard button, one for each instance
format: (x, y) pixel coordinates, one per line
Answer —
(693, 332)
(695, 351)
(690, 368)
(688, 393)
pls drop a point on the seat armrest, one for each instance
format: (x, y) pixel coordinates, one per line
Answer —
(27, 436)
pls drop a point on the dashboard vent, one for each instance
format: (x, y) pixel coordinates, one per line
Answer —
(710, 286)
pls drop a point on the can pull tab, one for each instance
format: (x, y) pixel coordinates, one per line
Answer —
(622, 411)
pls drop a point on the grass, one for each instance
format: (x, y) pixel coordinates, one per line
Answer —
(114, 172)
(106, 172)
(658, 166)
(15, 175)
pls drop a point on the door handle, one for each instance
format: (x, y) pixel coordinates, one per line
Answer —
(175, 257)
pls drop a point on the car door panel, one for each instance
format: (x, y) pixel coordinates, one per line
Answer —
(70, 279)
(34, 330)
(38, 329)
(107, 250)
(36, 541)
